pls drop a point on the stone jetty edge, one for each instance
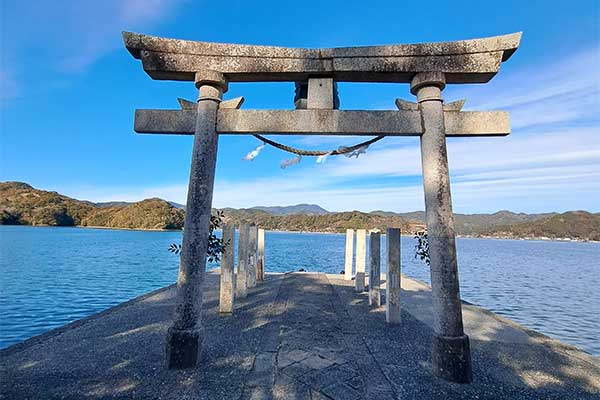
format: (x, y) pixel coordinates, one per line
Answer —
(34, 340)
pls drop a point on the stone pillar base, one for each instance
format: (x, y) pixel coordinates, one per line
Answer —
(451, 358)
(183, 348)
(375, 297)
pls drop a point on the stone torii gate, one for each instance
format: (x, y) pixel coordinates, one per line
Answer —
(428, 68)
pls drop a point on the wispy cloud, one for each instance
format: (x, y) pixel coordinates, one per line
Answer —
(97, 26)
(567, 91)
(68, 36)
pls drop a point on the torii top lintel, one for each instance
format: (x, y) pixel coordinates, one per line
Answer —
(465, 61)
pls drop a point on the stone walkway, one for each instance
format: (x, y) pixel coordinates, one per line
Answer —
(312, 348)
(296, 336)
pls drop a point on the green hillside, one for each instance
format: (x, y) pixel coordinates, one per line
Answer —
(331, 222)
(21, 204)
(580, 225)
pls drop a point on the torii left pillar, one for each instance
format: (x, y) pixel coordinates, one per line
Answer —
(183, 337)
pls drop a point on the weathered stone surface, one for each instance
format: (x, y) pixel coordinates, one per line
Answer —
(242, 268)
(234, 103)
(252, 255)
(375, 268)
(412, 106)
(321, 93)
(451, 358)
(227, 287)
(361, 259)
(440, 228)
(467, 61)
(323, 122)
(119, 353)
(261, 255)
(349, 261)
(184, 334)
(210, 78)
(183, 346)
(393, 280)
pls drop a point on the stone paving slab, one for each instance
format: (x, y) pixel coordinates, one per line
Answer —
(296, 336)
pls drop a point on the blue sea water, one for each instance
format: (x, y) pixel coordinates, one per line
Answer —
(52, 276)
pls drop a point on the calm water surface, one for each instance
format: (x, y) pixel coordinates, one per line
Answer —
(52, 276)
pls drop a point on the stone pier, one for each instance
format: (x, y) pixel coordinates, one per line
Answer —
(261, 255)
(242, 268)
(183, 337)
(451, 356)
(252, 255)
(349, 254)
(301, 336)
(392, 298)
(227, 288)
(361, 259)
(375, 268)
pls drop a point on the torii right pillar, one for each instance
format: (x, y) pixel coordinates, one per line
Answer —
(451, 355)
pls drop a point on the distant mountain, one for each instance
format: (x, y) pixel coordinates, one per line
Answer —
(126, 203)
(580, 225)
(21, 204)
(177, 205)
(474, 224)
(307, 209)
(331, 222)
(112, 204)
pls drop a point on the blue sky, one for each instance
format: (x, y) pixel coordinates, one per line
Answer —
(68, 91)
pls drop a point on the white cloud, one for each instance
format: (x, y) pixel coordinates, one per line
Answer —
(97, 27)
(566, 91)
(70, 36)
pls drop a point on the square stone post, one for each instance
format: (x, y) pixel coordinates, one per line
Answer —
(451, 355)
(183, 337)
(375, 268)
(361, 260)
(242, 268)
(349, 254)
(392, 298)
(261, 255)
(227, 287)
(252, 255)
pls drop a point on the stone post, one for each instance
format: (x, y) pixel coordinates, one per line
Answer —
(393, 280)
(349, 254)
(252, 255)
(375, 268)
(261, 255)
(242, 268)
(227, 287)
(361, 259)
(183, 337)
(451, 356)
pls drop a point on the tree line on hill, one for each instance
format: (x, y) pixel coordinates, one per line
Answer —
(21, 204)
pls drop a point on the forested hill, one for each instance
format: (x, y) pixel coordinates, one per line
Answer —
(474, 224)
(21, 204)
(580, 225)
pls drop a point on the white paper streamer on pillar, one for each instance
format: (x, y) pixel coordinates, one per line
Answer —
(254, 153)
(323, 158)
(291, 161)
